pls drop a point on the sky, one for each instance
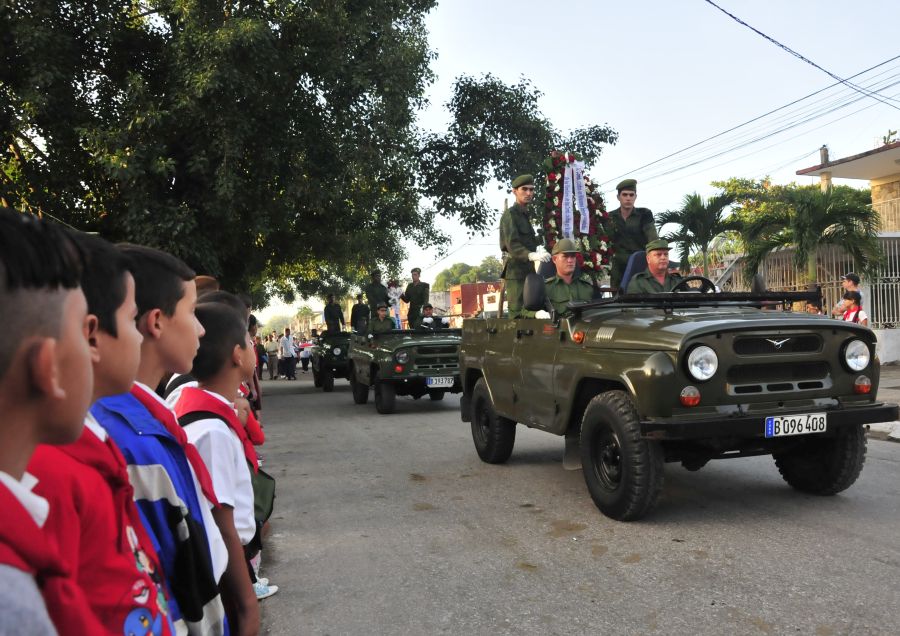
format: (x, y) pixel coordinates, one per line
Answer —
(667, 74)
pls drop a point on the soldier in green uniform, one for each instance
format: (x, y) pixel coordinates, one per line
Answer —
(416, 295)
(656, 279)
(376, 293)
(629, 229)
(334, 315)
(359, 315)
(519, 244)
(381, 323)
(565, 286)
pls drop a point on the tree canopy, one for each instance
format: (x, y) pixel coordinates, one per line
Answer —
(699, 222)
(271, 144)
(487, 271)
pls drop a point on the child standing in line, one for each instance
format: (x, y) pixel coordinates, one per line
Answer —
(93, 517)
(172, 487)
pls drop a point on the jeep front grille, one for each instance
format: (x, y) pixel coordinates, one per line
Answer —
(775, 378)
(437, 357)
(774, 345)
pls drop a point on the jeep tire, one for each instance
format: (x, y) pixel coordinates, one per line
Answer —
(623, 472)
(317, 378)
(825, 465)
(494, 435)
(360, 390)
(326, 378)
(385, 397)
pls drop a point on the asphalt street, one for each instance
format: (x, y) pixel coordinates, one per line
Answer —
(392, 525)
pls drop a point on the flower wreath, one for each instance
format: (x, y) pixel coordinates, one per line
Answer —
(595, 255)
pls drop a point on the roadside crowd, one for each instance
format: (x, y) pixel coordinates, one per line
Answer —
(130, 483)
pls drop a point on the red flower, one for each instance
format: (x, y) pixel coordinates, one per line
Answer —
(552, 176)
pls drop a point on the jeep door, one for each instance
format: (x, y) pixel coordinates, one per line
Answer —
(498, 366)
(534, 356)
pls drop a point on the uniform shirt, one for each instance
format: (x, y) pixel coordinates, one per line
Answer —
(645, 283)
(517, 240)
(376, 293)
(854, 315)
(559, 292)
(416, 295)
(632, 234)
(333, 315)
(358, 314)
(381, 326)
(224, 456)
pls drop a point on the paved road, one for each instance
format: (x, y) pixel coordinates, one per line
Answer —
(392, 525)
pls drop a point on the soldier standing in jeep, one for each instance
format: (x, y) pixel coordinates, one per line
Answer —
(519, 243)
(630, 229)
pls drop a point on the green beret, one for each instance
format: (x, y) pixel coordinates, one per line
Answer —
(658, 244)
(565, 246)
(627, 184)
(381, 306)
(427, 306)
(415, 270)
(522, 180)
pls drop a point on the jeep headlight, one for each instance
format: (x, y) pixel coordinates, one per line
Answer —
(336, 351)
(402, 357)
(702, 363)
(856, 355)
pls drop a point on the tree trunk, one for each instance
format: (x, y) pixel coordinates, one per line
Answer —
(705, 263)
(811, 267)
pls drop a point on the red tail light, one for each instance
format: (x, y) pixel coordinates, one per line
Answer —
(862, 385)
(690, 396)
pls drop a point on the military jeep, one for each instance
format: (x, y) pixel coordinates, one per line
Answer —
(330, 359)
(636, 381)
(404, 362)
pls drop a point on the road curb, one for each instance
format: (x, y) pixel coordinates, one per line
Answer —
(889, 431)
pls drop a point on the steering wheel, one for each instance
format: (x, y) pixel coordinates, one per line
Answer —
(706, 285)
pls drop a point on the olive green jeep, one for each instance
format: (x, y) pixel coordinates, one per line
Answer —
(330, 359)
(412, 362)
(636, 381)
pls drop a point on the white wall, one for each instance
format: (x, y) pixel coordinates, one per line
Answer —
(888, 347)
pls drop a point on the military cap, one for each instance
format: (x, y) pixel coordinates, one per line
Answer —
(427, 306)
(522, 180)
(658, 244)
(415, 270)
(627, 184)
(565, 246)
(381, 306)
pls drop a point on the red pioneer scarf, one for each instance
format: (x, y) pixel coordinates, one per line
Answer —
(193, 400)
(167, 419)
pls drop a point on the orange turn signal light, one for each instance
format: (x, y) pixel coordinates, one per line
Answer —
(578, 337)
(690, 396)
(862, 385)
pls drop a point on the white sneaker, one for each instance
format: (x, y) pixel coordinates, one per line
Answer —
(263, 580)
(264, 590)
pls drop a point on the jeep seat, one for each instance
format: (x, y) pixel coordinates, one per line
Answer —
(637, 263)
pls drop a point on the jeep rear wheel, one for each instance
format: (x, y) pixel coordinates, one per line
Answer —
(360, 390)
(825, 465)
(494, 435)
(623, 472)
(317, 378)
(326, 378)
(385, 397)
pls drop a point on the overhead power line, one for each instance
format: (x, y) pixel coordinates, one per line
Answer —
(801, 57)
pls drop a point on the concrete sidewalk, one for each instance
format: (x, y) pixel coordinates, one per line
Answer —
(888, 391)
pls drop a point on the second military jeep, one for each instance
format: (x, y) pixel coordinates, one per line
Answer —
(404, 362)
(330, 359)
(637, 381)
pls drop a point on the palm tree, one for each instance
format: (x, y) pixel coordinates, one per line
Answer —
(808, 218)
(305, 316)
(699, 223)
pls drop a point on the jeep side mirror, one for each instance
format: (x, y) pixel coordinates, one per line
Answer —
(535, 294)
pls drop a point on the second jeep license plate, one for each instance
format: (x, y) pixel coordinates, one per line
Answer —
(800, 424)
(439, 382)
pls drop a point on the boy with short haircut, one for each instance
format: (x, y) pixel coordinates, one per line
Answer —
(172, 486)
(226, 358)
(45, 390)
(93, 517)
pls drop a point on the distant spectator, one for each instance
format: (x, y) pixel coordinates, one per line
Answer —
(849, 282)
(288, 355)
(853, 310)
(272, 354)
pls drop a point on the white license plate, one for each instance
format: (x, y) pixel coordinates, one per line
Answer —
(800, 424)
(444, 382)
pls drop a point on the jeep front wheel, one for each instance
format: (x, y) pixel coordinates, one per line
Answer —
(326, 378)
(494, 435)
(385, 397)
(623, 472)
(360, 390)
(317, 379)
(825, 465)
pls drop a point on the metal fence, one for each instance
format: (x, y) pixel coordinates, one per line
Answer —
(881, 295)
(889, 211)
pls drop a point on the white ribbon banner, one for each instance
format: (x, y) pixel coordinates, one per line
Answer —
(568, 218)
(581, 203)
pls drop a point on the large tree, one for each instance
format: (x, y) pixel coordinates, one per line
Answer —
(272, 144)
(487, 271)
(699, 223)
